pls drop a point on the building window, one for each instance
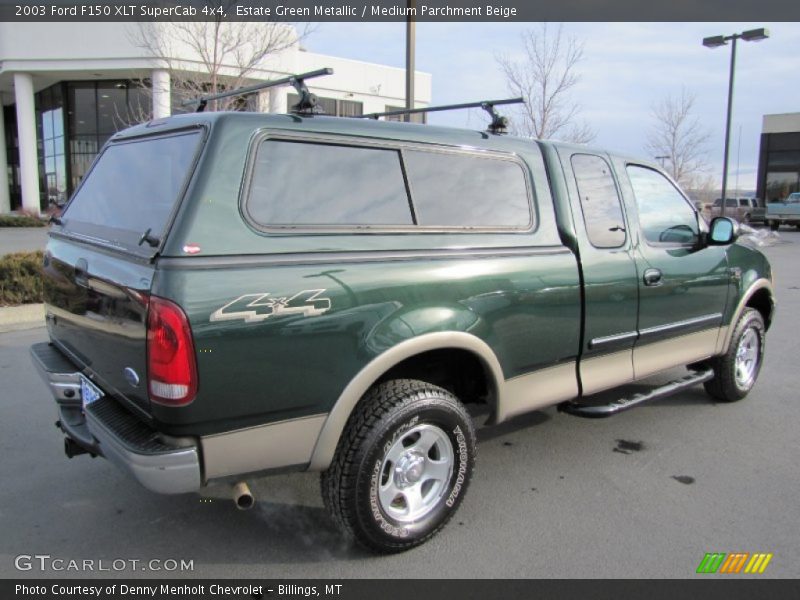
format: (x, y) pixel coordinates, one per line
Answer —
(50, 134)
(332, 106)
(97, 110)
(415, 118)
(783, 174)
(12, 156)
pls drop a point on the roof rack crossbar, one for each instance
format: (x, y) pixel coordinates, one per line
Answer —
(499, 123)
(307, 100)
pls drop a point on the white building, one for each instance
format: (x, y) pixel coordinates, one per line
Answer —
(65, 86)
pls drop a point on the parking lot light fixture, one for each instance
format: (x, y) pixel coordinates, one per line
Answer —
(751, 35)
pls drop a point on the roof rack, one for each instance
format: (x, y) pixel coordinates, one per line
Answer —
(306, 105)
(499, 123)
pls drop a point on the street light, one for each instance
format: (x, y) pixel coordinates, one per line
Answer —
(751, 35)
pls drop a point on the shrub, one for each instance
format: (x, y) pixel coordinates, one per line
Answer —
(21, 221)
(21, 278)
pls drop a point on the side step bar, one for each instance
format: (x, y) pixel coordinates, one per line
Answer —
(606, 410)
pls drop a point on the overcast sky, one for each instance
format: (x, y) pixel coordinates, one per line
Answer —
(626, 69)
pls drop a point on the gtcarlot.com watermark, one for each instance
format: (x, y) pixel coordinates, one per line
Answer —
(48, 563)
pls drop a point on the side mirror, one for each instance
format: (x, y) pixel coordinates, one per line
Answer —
(722, 231)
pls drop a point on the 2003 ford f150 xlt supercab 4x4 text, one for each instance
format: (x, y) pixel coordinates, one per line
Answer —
(233, 294)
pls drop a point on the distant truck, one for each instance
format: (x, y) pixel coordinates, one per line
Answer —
(784, 213)
(744, 210)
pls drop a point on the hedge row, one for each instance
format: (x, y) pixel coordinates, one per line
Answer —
(21, 221)
(21, 278)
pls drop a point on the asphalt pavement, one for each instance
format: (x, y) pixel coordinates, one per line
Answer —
(643, 494)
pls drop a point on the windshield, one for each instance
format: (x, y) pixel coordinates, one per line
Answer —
(793, 198)
(131, 189)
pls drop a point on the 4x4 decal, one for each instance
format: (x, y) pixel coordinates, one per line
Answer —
(252, 308)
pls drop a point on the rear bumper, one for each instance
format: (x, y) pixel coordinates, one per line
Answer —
(105, 428)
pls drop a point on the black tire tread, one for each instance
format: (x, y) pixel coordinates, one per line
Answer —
(338, 483)
(722, 386)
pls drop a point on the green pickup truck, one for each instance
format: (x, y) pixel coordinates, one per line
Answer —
(230, 295)
(786, 212)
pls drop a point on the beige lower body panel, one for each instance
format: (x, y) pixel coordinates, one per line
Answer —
(601, 373)
(270, 446)
(651, 358)
(536, 390)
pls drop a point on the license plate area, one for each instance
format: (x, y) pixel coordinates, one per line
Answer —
(89, 391)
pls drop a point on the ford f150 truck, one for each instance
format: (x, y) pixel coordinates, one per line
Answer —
(234, 294)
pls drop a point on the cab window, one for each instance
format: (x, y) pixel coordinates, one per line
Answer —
(605, 224)
(665, 216)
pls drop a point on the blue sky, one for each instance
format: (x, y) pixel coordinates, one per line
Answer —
(627, 68)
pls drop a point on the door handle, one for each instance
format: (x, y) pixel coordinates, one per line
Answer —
(652, 277)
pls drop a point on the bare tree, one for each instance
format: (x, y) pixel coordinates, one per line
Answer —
(679, 136)
(544, 77)
(207, 57)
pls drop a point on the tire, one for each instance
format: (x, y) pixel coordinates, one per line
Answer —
(376, 487)
(736, 371)
(773, 225)
(746, 219)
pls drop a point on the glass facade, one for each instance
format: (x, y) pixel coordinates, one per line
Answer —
(783, 174)
(779, 166)
(12, 156)
(73, 121)
(50, 145)
(96, 111)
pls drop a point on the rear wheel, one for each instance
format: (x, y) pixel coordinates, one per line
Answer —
(402, 466)
(736, 371)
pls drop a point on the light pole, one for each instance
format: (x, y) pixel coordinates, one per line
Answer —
(751, 35)
(663, 161)
(411, 42)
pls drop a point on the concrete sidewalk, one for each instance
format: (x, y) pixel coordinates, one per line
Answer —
(27, 316)
(22, 239)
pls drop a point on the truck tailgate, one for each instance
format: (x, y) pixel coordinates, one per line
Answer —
(96, 311)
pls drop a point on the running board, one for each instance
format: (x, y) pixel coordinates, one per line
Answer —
(606, 410)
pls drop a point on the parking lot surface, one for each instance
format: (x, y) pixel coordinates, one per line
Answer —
(643, 494)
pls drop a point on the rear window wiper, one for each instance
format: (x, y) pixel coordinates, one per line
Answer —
(152, 240)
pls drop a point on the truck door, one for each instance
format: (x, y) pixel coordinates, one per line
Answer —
(608, 269)
(683, 285)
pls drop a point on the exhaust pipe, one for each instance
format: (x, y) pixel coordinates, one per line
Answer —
(243, 497)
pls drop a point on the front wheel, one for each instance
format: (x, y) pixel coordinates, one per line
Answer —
(402, 465)
(736, 371)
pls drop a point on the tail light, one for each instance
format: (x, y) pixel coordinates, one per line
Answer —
(171, 367)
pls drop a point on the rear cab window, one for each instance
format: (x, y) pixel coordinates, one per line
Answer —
(133, 188)
(329, 186)
(600, 202)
